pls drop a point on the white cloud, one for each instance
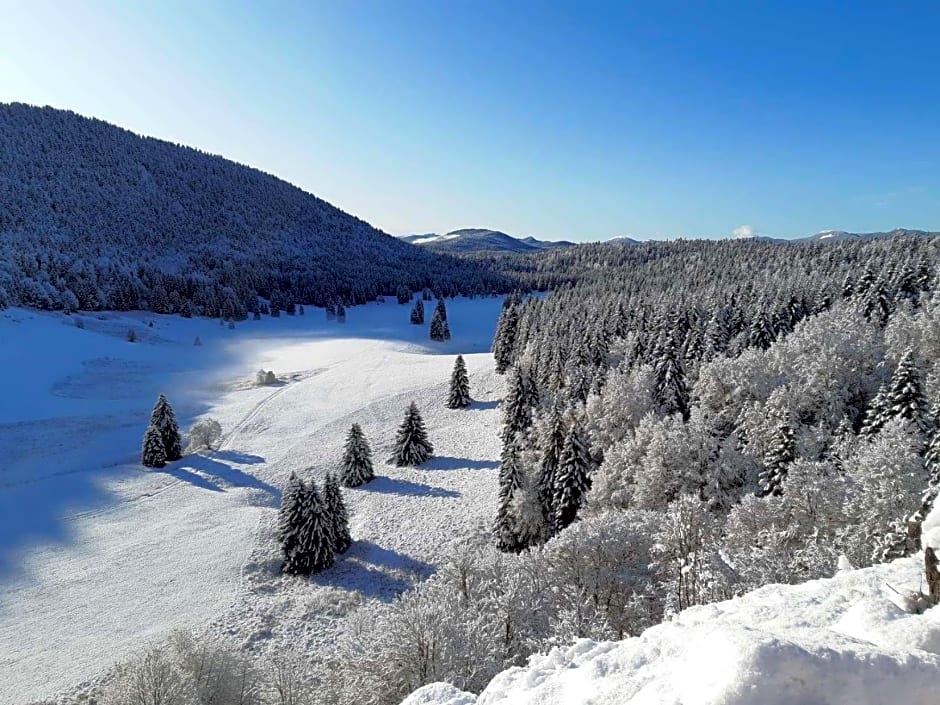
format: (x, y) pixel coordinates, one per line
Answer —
(745, 231)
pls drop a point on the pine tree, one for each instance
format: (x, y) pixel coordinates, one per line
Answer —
(153, 454)
(505, 339)
(316, 534)
(671, 390)
(417, 313)
(357, 459)
(905, 398)
(412, 446)
(441, 309)
(777, 460)
(164, 420)
(517, 416)
(510, 480)
(290, 522)
(440, 331)
(552, 447)
(335, 509)
(572, 478)
(876, 414)
(459, 394)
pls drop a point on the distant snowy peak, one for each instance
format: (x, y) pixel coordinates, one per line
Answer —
(839, 235)
(481, 240)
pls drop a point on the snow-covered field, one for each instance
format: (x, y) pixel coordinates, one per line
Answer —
(98, 554)
(838, 641)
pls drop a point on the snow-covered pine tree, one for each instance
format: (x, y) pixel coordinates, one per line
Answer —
(316, 535)
(153, 453)
(777, 459)
(357, 459)
(573, 476)
(876, 413)
(440, 331)
(412, 446)
(905, 398)
(164, 420)
(552, 447)
(510, 480)
(441, 309)
(505, 338)
(459, 395)
(672, 392)
(517, 416)
(417, 312)
(336, 511)
(290, 523)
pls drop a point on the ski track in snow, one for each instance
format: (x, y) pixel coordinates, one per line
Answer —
(99, 556)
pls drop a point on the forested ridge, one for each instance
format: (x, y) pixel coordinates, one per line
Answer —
(95, 217)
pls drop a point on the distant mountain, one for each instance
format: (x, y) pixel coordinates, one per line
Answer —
(840, 235)
(482, 240)
(93, 216)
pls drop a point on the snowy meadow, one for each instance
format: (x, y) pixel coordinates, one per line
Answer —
(100, 555)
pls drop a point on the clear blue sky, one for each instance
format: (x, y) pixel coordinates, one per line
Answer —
(580, 120)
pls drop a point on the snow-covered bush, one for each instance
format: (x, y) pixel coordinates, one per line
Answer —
(204, 435)
(265, 377)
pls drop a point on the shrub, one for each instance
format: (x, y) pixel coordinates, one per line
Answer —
(204, 434)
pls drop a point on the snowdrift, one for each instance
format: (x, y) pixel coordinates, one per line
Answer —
(838, 641)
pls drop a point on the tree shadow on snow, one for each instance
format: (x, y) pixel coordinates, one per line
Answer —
(374, 571)
(234, 456)
(445, 462)
(208, 473)
(388, 485)
(482, 405)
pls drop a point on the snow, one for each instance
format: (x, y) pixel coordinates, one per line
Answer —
(839, 641)
(98, 555)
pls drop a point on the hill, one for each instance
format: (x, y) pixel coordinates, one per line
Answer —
(96, 217)
(470, 240)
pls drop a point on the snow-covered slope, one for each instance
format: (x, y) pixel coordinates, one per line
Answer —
(839, 641)
(482, 240)
(98, 555)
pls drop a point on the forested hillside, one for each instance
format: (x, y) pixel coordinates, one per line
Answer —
(95, 217)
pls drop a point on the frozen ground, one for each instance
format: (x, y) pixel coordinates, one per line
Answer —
(840, 641)
(98, 554)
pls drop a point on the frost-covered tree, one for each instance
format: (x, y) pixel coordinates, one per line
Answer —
(412, 446)
(877, 412)
(671, 389)
(905, 397)
(204, 435)
(440, 309)
(153, 453)
(357, 459)
(776, 460)
(317, 539)
(506, 529)
(164, 420)
(517, 415)
(417, 312)
(335, 509)
(504, 342)
(573, 476)
(552, 444)
(440, 330)
(458, 397)
(291, 521)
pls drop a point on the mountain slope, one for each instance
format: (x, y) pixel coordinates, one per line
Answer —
(98, 217)
(482, 240)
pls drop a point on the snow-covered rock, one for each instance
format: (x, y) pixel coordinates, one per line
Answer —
(837, 641)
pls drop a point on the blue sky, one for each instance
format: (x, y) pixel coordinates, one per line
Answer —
(577, 120)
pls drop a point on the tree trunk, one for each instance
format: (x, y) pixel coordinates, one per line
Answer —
(933, 577)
